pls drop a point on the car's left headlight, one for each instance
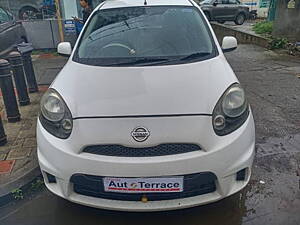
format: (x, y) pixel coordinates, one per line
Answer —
(55, 116)
(231, 111)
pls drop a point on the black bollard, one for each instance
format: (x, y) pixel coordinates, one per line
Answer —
(8, 93)
(3, 139)
(26, 49)
(15, 60)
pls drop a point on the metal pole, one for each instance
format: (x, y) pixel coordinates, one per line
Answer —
(8, 93)
(3, 139)
(15, 60)
(59, 21)
(29, 71)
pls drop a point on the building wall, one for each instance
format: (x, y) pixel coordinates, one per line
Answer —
(262, 6)
(287, 20)
(43, 34)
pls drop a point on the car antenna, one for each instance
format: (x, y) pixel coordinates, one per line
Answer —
(145, 2)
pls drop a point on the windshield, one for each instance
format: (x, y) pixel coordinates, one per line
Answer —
(143, 35)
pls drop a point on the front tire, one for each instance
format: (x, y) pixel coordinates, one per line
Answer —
(240, 19)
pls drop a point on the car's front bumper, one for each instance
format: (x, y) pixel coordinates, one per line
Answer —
(223, 156)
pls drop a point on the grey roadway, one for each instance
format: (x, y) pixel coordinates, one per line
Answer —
(272, 83)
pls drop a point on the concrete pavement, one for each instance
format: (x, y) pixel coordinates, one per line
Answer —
(18, 158)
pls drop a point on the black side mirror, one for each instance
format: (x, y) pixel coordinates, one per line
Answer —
(215, 3)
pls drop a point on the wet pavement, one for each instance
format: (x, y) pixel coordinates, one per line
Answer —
(273, 194)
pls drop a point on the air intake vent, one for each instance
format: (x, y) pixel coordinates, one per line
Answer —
(159, 150)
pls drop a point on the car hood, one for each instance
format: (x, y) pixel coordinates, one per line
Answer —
(192, 88)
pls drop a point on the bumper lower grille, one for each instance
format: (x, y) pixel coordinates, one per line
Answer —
(159, 150)
(194, 184)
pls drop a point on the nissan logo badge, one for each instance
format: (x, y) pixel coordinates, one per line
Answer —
(140, 134)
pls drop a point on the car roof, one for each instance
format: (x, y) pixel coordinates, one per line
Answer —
(108, 4)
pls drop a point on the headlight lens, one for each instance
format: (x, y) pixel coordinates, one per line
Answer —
(52, 106)
(231, 111)
(55, 116)
(234, 102)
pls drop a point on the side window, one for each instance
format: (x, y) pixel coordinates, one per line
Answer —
(3, 16)
(232, 2)
(224, 2)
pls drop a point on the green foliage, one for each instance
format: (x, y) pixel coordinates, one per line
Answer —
(278, 43)
(37, 185)
(17, 193)
(45, 51)
(264, 27)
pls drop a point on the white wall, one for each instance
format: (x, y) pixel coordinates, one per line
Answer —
(257, 5)
(69, 8)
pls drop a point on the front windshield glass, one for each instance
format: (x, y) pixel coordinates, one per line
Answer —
(139, 35)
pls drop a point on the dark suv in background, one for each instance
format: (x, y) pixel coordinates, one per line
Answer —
(225, 10)
(11, 33)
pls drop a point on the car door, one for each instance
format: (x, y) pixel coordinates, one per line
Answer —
(8, 35)
(219, 10)
(232, 8)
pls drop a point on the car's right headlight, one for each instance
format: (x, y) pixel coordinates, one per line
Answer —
(55, 116)
(231, 111)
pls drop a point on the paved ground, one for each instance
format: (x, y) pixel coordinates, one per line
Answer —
(19, 154)
(272, 197)
(47, 67)
(18, 158)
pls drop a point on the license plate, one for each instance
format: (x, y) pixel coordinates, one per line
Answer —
(143, 185)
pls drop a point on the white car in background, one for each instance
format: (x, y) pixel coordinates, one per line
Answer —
(147, 114)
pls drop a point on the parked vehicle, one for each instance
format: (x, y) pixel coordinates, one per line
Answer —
(11, 32)
(46, 9)
(147, 114)
(30, 9)
(225, 10)
(253, 15)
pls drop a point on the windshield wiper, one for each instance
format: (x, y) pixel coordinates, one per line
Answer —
(195, 55)
(156, 61)
(143, 61)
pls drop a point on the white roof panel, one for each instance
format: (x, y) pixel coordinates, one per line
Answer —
(130, 3)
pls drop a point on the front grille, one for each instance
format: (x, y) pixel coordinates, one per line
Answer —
(159, 150)
(194, 184)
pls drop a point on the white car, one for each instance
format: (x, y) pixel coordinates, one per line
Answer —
(147, 114)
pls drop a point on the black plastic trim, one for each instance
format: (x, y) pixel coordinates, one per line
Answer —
(241, 175)
(152, 151)
(229, 49)
(51, 178)
(194, 185)
(141, 116)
